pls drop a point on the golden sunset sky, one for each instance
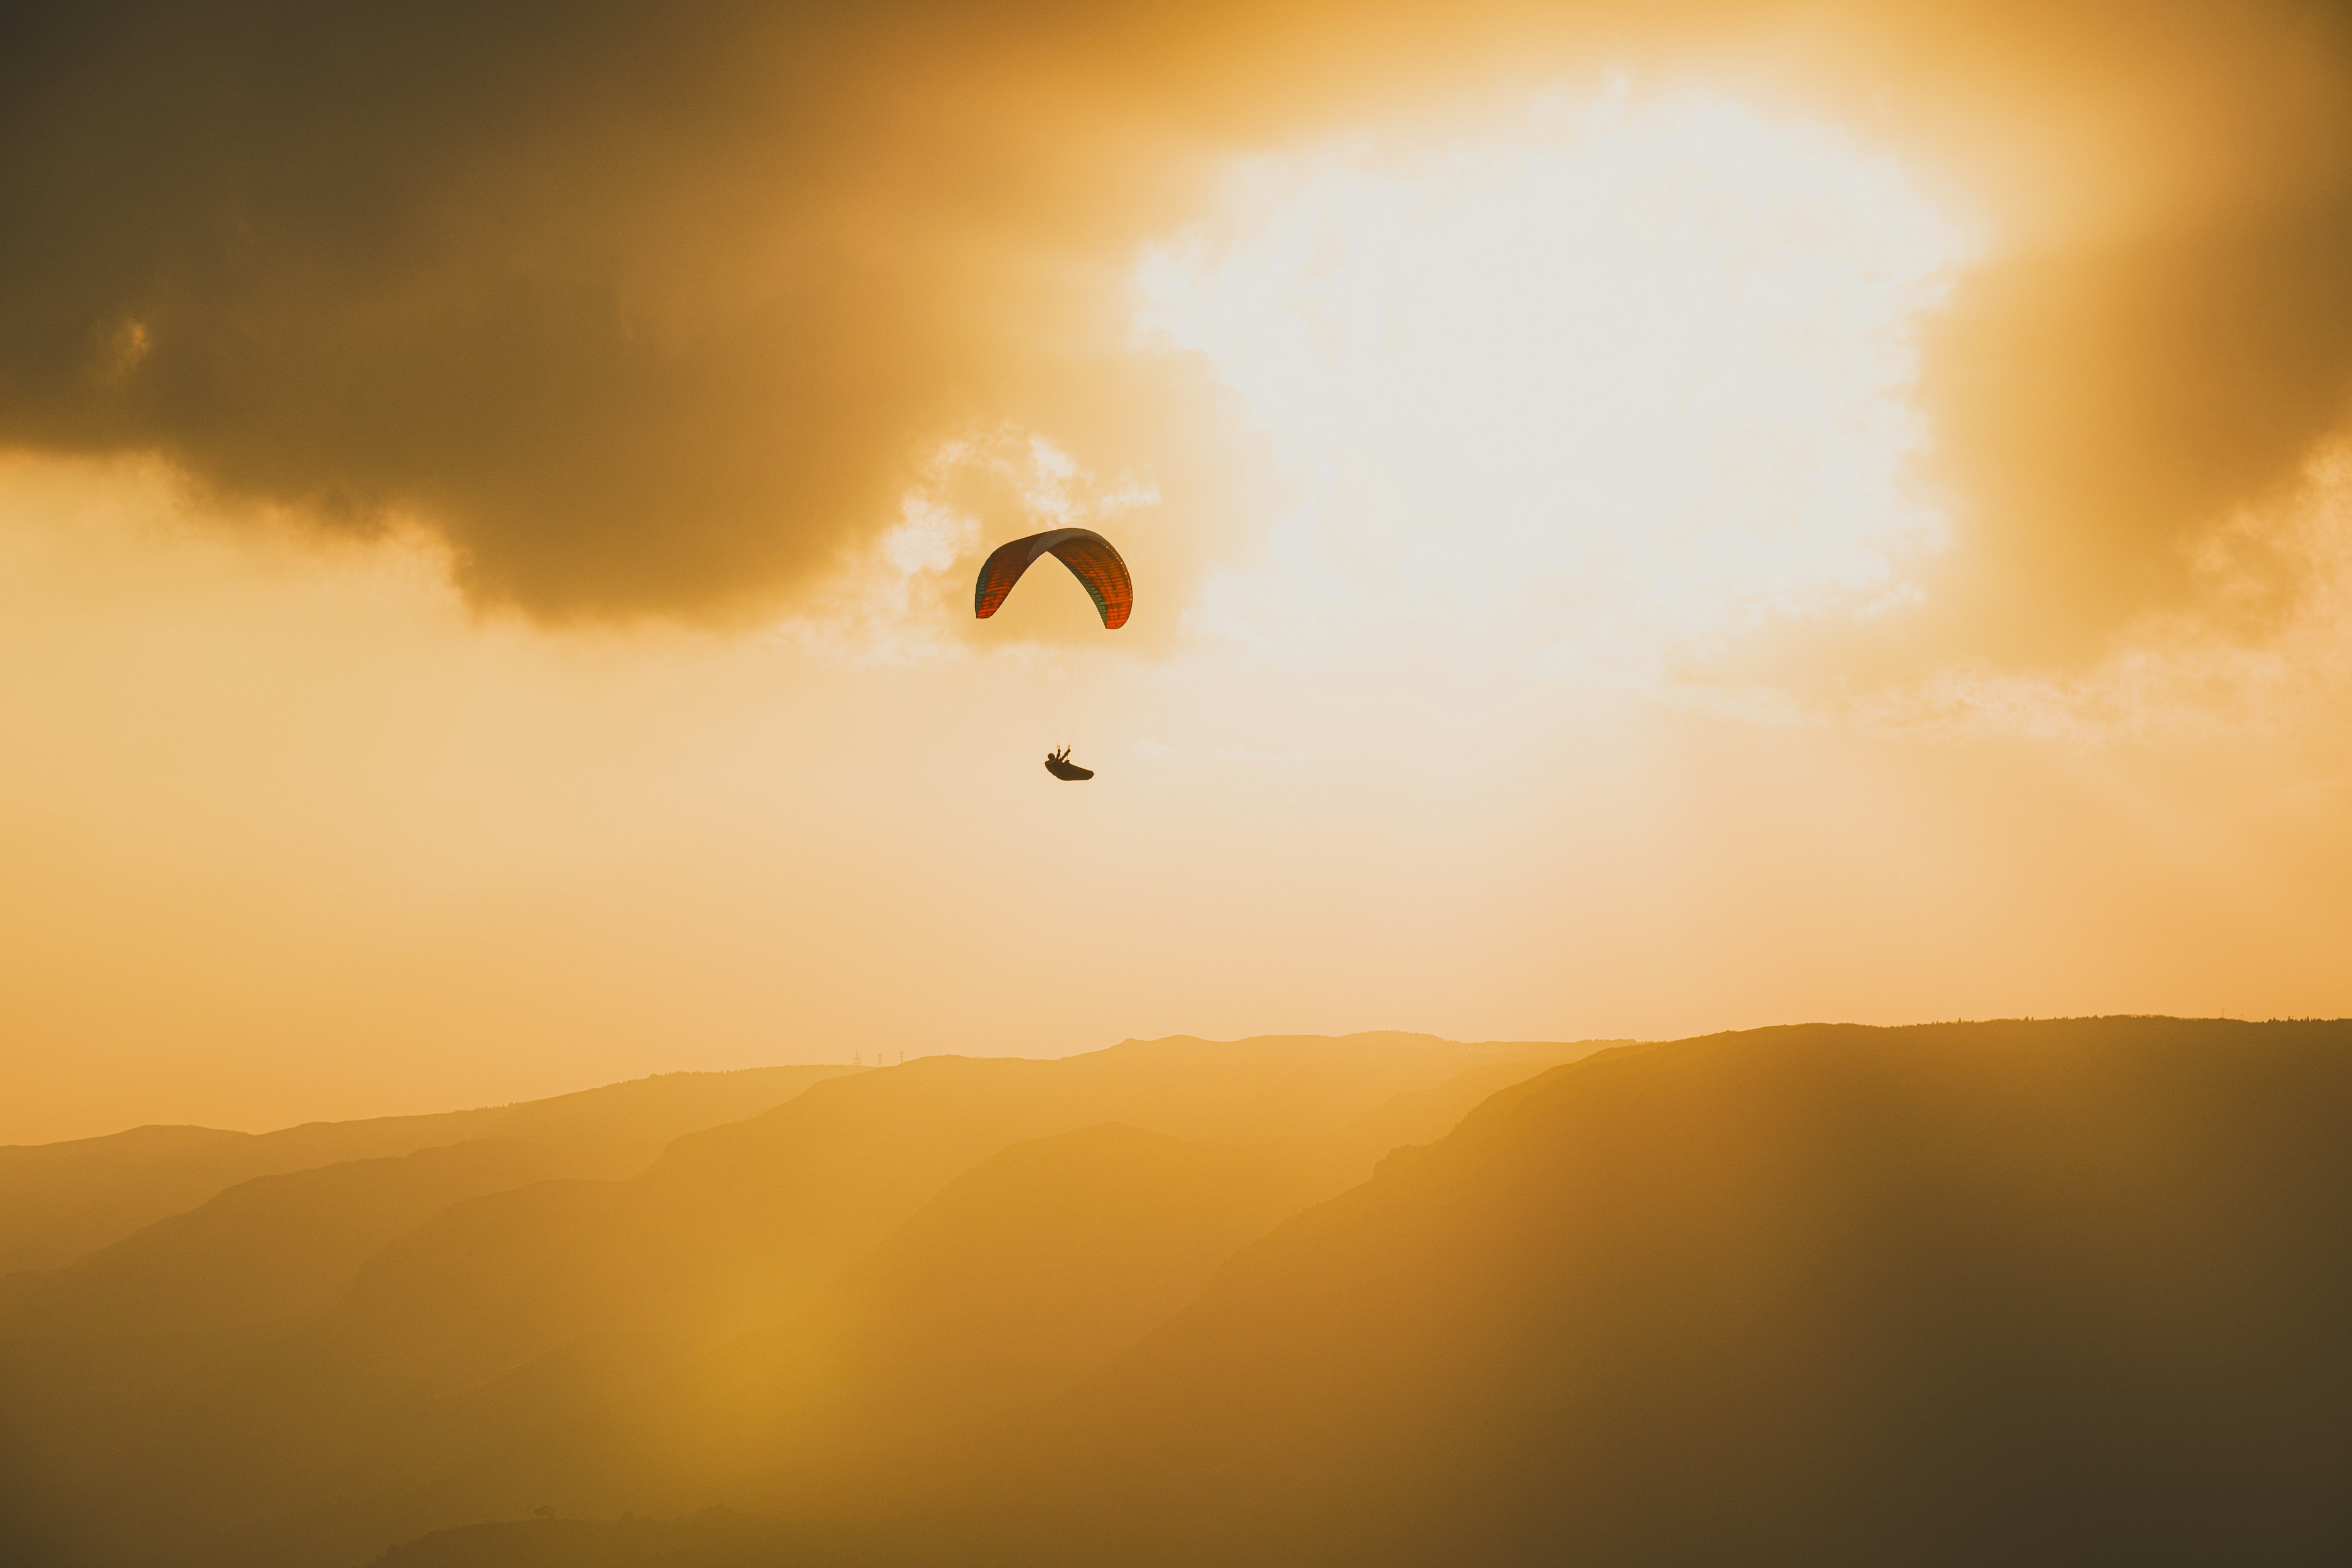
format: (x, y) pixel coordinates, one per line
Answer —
(1800, 512)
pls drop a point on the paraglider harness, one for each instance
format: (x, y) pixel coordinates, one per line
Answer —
(1058, 764)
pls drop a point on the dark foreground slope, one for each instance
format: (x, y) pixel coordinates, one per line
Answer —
(2059, 1293)
(2064, 1292)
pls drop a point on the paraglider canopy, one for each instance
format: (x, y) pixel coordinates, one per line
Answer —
(1088, 554)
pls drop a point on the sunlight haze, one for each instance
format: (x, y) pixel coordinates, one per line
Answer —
(1286, 785)
(1543, 539)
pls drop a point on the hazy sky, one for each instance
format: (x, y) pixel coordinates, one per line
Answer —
(1807, 512)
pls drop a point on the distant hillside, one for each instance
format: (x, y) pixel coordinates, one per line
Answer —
(783, 1306)
(59, 1202)
(1035, 1268)
(735, 1229)
(274, 1248)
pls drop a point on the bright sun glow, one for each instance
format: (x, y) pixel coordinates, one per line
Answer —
(1624, 378)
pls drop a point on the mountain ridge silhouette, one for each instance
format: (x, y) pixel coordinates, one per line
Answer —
(2060, 1291)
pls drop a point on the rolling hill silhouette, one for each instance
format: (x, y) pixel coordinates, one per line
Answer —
(59, 1202)
(1043, 1262)
(737, 1228)
(2062, 1292)
(275, 1247)
(628, 1343)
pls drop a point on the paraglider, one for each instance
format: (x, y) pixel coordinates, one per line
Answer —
(1088, 554)
(1096, 566)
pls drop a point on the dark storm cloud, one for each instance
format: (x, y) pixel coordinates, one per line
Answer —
(589, 286)
(651, 307)
(2100, 411)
